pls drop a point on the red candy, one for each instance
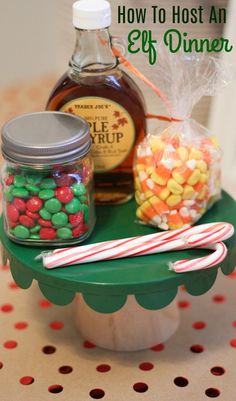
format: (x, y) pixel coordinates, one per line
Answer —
(9, 180)
(45, 223)
(79, 230)
(64, 180)
(12, 224)
(64, 194)
(34, 204)
(12, 213)
(19, 204)
(34, 216)
(26, 221)
(47, 233)
(76, 219)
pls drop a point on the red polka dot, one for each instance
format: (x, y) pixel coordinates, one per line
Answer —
(6, 268)
(140, 387)
(218, 298)
(21, 325)
(1, 365)
(103, 368)
(97, 393)
(10, 344)
(181, 381)
(233, 343)
(56, 325)
(44, 303)
(146, 366)
(199, 325)
(13, 285)
(183, 304)
(183, 288)
(232, 275)
(65, 369)
(158, 347)
(7, 308)
(217, 371)
(55, 388)
(49, 349)
(212, 392)
(197, 348)
(26, 380)
(88, 344)
(234, 323)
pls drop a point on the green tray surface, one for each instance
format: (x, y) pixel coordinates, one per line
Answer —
(105, 285)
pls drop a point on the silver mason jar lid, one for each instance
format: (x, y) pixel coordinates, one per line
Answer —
(44, 138)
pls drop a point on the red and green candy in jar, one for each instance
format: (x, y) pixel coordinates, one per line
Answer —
(47, 179)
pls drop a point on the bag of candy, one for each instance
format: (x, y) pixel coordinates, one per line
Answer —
(177, 169)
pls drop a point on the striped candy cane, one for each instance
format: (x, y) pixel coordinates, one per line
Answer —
(205, 262)
(206, 241)
(188, 237)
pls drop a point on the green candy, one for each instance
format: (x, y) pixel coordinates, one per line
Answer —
(9, 197)
(83, 199)
(46, 194)
(10, 170)
(73, 206)
(35, 229)
(19, 181)
(78, 189)
(59, 219)
(69, 225)
(21, 232)
(33, 179)
(20, 193)
(48, 183)
(53, 205)
(64, 233)
(45, 214)
(85, 210)
(8, 194)
(34, 236)
(32, 188)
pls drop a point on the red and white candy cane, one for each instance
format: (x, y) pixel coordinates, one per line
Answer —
(206, 241)
(189, 237)
(182, 266)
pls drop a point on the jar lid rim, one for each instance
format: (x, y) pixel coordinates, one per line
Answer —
(45, 137)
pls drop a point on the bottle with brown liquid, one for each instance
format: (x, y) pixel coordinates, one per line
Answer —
(96, 89)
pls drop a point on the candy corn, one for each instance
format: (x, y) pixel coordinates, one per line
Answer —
(175, 182)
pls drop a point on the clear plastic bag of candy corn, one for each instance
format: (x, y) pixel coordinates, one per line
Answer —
(177, 170)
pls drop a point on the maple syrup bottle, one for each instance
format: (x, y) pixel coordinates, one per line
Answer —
(96, 89)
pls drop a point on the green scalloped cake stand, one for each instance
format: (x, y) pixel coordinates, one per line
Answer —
(106, 285)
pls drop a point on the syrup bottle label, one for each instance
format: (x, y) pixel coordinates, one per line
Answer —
(111, 128)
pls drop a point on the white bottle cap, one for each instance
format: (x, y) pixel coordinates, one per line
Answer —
(91, 14)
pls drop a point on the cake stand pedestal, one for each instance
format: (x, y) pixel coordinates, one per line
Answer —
(125, 304)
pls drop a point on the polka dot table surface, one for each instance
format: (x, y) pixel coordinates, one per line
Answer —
(42, 355)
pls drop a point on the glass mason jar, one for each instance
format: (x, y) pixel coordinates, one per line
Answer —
(47, 179)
